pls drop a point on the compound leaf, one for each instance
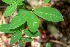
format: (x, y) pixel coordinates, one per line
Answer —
(28, 33)
(19, 20)
(10, 10)
(18, 1)
(21, 43)
(49, 14)
(32, 22)
(5, 28)
(16, 36)
(9, 1)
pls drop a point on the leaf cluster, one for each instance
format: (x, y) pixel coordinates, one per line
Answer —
(27, 16)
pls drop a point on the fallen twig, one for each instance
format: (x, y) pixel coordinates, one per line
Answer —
(58, 42)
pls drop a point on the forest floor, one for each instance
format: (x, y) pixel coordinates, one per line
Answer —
(62, 27)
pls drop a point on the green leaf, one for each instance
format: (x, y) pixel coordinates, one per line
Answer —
(32, 22)
(9, 1)
(18, 1)
(21, 43)
(10, 10)
(16, 36)
(46, 1)
(49, 14)
(5, 28)
(48, 44)
(28, 33)
(12, 1)
(19, 20)
(27, 39)
(21, 3)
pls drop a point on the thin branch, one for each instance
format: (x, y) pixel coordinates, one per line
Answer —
(58, 42)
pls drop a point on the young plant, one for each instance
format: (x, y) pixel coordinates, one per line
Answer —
(27, 17)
